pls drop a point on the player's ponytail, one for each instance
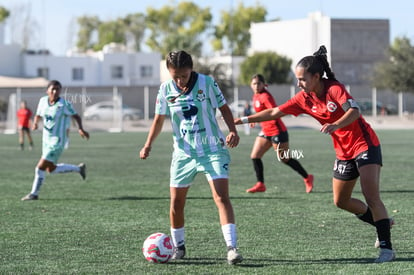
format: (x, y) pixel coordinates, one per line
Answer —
(317, 63)
(320, 55)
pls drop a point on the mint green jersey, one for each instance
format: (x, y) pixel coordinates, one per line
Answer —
(55, 121)
(193, 116)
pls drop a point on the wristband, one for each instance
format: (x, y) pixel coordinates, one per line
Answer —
(244, 119)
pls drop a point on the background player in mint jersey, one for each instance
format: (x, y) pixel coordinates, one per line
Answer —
(358, 150)
(274, 135)
(54, 110)
(191, 100)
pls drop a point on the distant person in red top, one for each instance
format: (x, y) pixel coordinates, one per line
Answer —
(273, 135)
(24, 116)
(358, 151)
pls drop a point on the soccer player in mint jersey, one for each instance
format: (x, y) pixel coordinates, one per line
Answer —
(274, 135)
(357, 147)
(190, 100)
(54, 110)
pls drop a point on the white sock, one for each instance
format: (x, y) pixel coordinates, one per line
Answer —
(38, 180)
(65, 168)
(177, 235)
(230, 234)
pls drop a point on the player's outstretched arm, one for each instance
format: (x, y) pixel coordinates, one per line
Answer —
(265, 115)
(81, 131)
(154, 131)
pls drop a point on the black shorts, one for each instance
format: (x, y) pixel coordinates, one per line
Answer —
(24, 129)
(349, 169)
(280, 138)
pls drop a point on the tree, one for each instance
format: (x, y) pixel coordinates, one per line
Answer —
(274, 68)
(4, 13)
(177, 27)
(87, 26)
(134, 29)
(24, 30)
(110, 32)
(217, 71)
(128, 30)
(396, 72)
(234, 28)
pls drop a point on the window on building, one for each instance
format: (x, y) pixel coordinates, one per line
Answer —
(77, 73)
(146, 71)
(117, 72)
(43, 72)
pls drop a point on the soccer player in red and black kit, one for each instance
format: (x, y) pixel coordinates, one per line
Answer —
(358, 151)
(274, 134)
(24, 115)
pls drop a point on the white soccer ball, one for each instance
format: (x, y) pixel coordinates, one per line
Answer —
(157, 248)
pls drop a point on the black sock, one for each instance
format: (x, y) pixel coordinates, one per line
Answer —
(258, 168)
(22, 146)
(384, 233)
(367, 217)
(295, 165)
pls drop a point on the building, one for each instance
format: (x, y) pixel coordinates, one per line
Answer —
(354, 45)
(113, 66)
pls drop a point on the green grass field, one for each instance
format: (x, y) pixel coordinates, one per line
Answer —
(99, 225)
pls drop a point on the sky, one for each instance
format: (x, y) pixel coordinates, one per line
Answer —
(54, 21)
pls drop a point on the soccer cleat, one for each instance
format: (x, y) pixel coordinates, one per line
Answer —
(377, 242)
(30, 197)
(308, 183)
(82, 170)
(258, 187)
(386, 255)
(233, 257)
(178, 253)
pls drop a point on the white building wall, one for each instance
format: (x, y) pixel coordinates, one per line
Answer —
(96, 68)
(60, 68)
(132, 64)
(293, 38)
(354, 45)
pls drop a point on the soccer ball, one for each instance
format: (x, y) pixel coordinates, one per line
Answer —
(157, 248)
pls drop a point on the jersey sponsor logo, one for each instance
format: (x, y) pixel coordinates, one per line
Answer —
(192, 132)
(189, 111)
(331, 106)
(314, 109)
(257, 103)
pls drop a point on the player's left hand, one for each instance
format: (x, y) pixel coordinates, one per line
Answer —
(232, 139)
(83, 134)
